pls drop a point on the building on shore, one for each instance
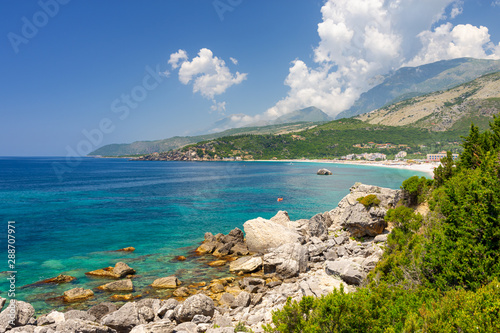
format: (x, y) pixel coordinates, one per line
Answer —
(437, 157)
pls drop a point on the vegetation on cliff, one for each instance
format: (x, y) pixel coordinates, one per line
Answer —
(440, 271)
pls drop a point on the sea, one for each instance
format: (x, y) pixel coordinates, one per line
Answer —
(73, 222)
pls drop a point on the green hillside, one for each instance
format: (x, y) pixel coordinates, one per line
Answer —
(440, 271)
(408, 82)
(149, 147)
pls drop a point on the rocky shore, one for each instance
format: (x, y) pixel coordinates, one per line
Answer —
(278, 259)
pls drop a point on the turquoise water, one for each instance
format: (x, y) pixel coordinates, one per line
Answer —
(72, 225)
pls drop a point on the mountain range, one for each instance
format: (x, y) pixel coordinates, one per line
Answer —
(408, 82)
(404, 84)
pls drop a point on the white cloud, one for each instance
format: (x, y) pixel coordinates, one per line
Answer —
(234, 61)
(363, 39)
(209, 74)
(448, 42)
(175, 58)
(219, 107)
(457, 9)
(495, 3)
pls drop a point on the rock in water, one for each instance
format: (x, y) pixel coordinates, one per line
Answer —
(122, 285)
(324, 172)
(198, 304)
(77, 294)
(264, 234)
(169, 282)
(61, 278)
(122, 269)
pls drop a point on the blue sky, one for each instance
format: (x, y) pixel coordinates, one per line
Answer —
(66, 80)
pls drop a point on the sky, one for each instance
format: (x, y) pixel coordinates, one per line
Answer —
(76, 75)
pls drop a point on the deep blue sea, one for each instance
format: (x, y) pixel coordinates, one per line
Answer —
(72, 225)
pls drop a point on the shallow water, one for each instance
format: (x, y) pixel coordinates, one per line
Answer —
(162, 209)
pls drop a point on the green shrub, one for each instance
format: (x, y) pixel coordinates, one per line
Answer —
(369, 201)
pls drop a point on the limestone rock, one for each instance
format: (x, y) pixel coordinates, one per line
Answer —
(264, 234)
(101, 309)
(77, 294)
(217, 263)
(78, 314)
(21, 313)
(361, 222)
(121, 285)
(198, 304)
(324, 172)
(169, 282)
(316, 227)
(162, 326)
(286, 261)
(127, 249)
(187, 327)
(205, 248)
(281, 218)
(2, 302)
(349, 271)
(181, 292)
(82, 326)
(245, 264)
(122, 269)
(123, 319)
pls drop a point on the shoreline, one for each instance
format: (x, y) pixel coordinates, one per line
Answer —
(426, 167)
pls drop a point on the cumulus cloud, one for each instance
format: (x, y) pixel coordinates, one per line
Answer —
(208, 74)
(360, 40)
(448, 42)
(175, 58)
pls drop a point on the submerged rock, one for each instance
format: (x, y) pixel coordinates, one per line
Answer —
(120, 270)
(61, 278)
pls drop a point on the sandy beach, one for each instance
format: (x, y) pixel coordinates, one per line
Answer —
(427, 167)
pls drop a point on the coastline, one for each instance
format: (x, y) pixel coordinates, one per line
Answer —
(426, 167)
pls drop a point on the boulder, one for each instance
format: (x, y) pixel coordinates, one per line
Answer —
(282, 218)
(198, 304)
(122, 269)
(349, 271)
(381, 238)
(240, 249)
(77, 294)
(245, 264)
(18, 312)
(162, 326)
(123, 319)
(169, 304)
(242, 300)
(324, 172)
(234, 236)
(54, 317)
(2, 302)
(169, 282)
(82, 326)
(226, 299)
(361, 222)
(121, 285)
(120, 297)
(316, 227)
(264, 234)
(223, 249)
(181, 292)
(101, 309)
(217, 263)
(205, 248)
(187, 327)
(78, 314)
(286, 261)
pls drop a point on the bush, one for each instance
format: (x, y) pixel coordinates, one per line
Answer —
(369, 201)
(416, 189)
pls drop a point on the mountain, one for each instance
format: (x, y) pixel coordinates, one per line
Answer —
(310, 114)
(295, 121)
(453, 109)
(149, 147)
(410, 82)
